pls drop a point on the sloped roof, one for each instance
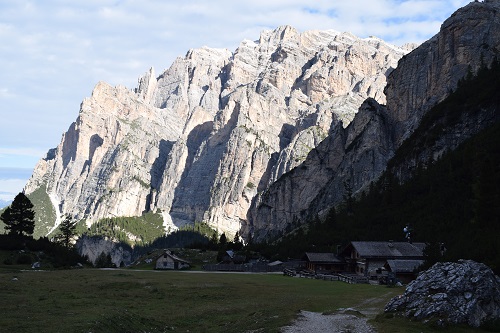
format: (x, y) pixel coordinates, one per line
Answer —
(323, 257)
(389, 249)
(174, 257)
(404, 265)
(275, 263)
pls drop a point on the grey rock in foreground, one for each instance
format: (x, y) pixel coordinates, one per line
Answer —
(466, 292)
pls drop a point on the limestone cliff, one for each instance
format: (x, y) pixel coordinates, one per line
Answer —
(199, 141)
(357, 153)
(353, 157)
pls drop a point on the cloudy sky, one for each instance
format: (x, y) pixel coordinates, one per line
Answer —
(52, 53)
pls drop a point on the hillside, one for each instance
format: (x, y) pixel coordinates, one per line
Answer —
(454, 200)
(358, 154)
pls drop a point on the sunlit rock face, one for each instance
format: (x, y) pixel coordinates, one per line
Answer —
(200, 140)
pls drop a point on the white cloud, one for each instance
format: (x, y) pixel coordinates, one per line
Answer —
(9, 188)
(12, 181)
(19, 158)
(21, 151)
(53, 53)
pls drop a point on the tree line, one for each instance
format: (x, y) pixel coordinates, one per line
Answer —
(19, 220)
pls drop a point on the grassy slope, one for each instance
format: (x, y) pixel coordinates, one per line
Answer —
(2, 225)
(146, 228)
(45, 214)
(147, 301)
(150, 301)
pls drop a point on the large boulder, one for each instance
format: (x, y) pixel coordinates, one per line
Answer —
(466, 292)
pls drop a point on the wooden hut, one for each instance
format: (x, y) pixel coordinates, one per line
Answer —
(168, 260)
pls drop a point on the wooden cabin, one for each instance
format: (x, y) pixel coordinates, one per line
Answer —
(404, 270)
(168, 260)
(365, 258)
(324, 262)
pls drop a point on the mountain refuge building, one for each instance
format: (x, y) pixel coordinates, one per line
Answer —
(168, 260)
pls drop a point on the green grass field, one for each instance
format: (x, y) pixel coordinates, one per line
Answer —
(90, 300)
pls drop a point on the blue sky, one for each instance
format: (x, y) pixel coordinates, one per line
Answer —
(52, 53)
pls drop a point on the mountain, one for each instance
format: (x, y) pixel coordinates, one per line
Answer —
(451, 203)
(351, 158)
(271, 135)
(201, 140)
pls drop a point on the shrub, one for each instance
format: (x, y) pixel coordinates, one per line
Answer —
(24, 259)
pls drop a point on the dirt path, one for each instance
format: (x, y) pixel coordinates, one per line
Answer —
(344, 321)
(348, 320)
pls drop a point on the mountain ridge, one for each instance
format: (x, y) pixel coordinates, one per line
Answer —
(200, 140)
(423, 78)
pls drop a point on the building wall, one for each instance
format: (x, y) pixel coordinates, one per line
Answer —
(166, 262)
(368, 267)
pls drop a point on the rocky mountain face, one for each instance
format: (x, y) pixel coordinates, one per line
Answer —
(466, 292)
(198, 142)
(93, 247)
(350, 158)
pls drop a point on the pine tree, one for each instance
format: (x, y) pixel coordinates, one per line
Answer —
(223, 240)
(67, 232)
(348, 198)
(103, 261)
(237, 244)
(19, 218)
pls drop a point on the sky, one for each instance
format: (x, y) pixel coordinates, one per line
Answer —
(52, 53)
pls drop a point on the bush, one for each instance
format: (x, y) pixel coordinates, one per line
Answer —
(11, 243)
(24, 259)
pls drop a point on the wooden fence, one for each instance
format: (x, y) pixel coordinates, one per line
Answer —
(345, 277)
(253, 267)
(293, 268)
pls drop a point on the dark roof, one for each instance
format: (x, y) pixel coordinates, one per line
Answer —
(323, 257)
(404, 266)
(174, 257)
(389, 249)
(275, 263)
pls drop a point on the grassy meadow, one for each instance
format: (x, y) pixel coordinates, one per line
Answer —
(91, 300)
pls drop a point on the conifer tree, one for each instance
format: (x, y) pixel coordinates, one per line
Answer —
(19, 217)
(67, 232)
(223, 240)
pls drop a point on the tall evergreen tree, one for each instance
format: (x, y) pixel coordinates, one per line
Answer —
(19, 217)
(223, 240)
(67, 232)
(348, 198)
